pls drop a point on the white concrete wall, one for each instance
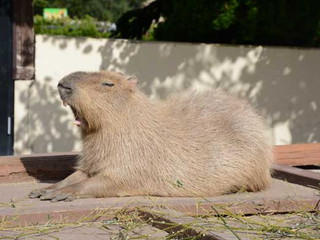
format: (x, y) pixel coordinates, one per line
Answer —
(282, 82)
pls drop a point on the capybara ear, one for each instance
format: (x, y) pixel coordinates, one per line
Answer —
(133, 81)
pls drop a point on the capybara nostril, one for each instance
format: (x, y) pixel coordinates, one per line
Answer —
(64, 90)
(67, 88)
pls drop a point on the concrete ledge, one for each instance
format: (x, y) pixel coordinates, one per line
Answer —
(17, 209)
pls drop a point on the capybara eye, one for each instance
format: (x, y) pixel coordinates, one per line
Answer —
(107, 84)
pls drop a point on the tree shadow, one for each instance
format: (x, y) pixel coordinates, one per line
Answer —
(272, 78)
(47, 125)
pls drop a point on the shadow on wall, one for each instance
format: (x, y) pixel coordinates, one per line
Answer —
(47, 125)
(282, 82)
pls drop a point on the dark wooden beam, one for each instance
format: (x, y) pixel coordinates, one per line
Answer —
(179, 230)
(297, 175)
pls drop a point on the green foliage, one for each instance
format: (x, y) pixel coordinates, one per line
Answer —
(100, 9)
(68, 27)
(226, 16)
(267, 22)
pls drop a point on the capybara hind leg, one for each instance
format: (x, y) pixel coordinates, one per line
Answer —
(72, 179)
(90, 187)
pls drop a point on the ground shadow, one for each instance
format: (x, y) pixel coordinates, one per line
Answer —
(48, 168)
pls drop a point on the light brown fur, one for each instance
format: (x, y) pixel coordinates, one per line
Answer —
(191, 144)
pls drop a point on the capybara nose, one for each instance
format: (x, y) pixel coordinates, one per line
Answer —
(64, 90)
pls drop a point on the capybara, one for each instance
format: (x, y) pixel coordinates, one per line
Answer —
(191, 144)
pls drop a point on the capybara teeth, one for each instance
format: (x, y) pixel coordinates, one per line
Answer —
(77, 123)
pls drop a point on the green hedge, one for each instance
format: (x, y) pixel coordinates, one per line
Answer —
(70, 27)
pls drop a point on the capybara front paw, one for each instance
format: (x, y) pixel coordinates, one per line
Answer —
(37, 193)
(58, 195)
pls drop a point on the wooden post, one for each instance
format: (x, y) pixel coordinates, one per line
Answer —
(23, 40)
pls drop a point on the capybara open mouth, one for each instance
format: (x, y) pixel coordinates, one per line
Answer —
(78, 121)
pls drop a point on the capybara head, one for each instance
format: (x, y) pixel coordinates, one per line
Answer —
(95, 94)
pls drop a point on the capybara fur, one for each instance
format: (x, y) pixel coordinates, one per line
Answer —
(191, 144)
